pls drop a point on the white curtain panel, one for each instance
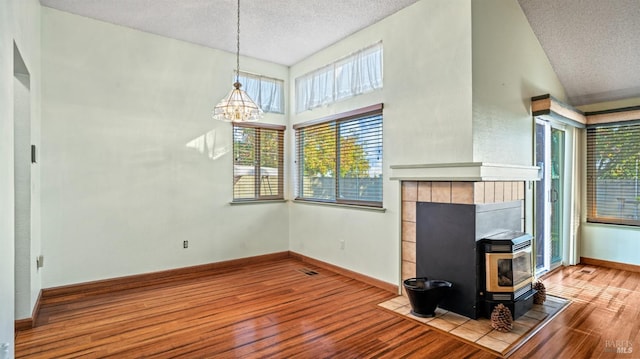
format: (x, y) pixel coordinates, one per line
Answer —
(268, 93)
(355, 74)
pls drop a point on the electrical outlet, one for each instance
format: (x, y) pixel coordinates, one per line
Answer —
(39, 261)
(342, 244)
(185, 244)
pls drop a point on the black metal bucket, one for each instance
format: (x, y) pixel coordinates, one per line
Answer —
(425, 295)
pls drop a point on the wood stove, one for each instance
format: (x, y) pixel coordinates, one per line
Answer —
(448, 247)
(481, 250)
(508, 272)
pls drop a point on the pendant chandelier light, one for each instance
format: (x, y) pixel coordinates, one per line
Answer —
(237, 106)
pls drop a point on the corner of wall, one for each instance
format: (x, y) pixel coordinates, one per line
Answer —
(509, 67)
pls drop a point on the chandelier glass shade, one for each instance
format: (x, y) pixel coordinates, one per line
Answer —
(237, 106)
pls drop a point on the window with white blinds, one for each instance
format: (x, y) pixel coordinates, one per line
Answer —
(339, 159)
(258, 162)
(267, 92)
(613, 160)
(355, 74)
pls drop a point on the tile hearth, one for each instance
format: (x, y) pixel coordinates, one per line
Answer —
(479, 331)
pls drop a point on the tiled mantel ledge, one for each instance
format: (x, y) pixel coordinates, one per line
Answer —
(463, 171)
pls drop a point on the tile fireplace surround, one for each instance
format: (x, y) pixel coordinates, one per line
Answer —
(457, 192)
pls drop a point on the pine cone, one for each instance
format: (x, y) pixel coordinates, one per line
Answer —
(501, 319)
(541, 295)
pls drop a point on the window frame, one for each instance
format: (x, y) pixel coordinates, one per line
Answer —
(592, 191)
(362, 113)
(280, 130)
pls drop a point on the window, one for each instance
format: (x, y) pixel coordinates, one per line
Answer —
(613, 159)
(355, 74)
(267, 92)
(258, 167)
(339, 159)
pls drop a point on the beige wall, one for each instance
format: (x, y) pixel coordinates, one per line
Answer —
(122, 189)
(19, 23)
(509, 67)
(435, 53)
(609, 242)
(427, 118)
(6, 180)
(427, 81)
(120, 182)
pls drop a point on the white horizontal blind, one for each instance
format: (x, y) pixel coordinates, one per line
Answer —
(355, 74)
(267, 92)
(341, 160)
(360, 160)
(316, 148)
(613, 170)
(258, 168)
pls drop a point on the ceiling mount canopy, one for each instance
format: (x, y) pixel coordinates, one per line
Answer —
(237, 106)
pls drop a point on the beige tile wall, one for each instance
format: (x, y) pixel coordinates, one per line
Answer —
(446, 192)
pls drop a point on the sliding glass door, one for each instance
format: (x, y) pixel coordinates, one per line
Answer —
(543, 262)
(557, 194)
(549, 196)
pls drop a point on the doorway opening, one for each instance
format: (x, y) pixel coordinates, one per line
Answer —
(23, 266)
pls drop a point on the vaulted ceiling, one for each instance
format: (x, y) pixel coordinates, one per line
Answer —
(593, 45)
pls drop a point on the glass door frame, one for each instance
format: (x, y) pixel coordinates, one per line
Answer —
(557, 193)
(554, 201)
(542, 228)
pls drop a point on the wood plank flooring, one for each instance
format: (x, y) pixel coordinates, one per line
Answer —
(275, 310)
(603, 320)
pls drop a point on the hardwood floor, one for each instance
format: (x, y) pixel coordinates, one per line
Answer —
(603, 320)
(275, 310)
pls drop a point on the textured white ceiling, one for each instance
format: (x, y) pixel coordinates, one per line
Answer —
(593, 46)
(280, 31)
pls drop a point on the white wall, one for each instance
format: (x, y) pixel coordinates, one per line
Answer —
(7, 304)
(611, 243)
(121, 187)
(19, 23)
(509, 67)
(427, 119)
(22, 194)
(27, 37)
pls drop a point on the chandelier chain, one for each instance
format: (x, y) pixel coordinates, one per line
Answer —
(238, 47)
(237, 106)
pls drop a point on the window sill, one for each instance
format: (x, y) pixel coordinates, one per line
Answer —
(624, 226)
(257, 201)
(341, 205)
